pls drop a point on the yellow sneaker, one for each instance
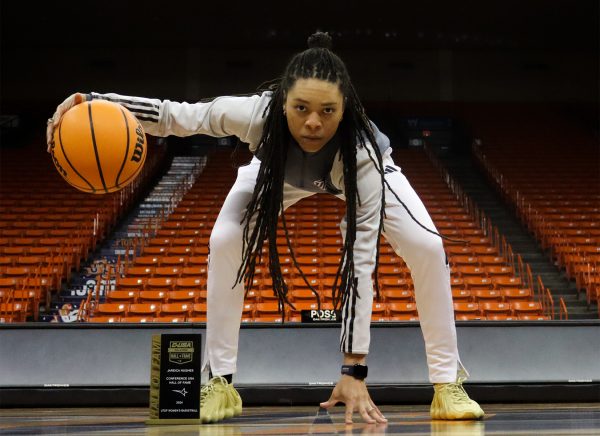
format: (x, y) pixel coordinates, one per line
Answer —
(219, 400)
(450, 402)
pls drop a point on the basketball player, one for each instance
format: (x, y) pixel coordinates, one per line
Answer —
(309, 134)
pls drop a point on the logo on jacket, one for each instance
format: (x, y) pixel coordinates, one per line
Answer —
(326, 185)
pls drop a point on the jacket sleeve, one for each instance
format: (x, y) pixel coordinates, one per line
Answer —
(223, 116)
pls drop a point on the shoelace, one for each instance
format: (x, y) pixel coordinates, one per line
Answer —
(210, 386)
(457, 392)
(206, 390)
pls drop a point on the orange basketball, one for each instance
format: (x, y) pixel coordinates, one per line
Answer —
(99, 147)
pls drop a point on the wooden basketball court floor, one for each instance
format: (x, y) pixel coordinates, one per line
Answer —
(501, 419)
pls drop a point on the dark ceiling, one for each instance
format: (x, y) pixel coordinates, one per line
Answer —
(460, 24)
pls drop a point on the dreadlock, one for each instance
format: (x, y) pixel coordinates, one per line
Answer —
(266, 205)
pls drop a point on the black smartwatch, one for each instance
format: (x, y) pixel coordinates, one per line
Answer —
(357, 371)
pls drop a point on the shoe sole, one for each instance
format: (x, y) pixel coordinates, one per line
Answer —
(231, 412)
(227, 413)
(463, 417)
(211, 419)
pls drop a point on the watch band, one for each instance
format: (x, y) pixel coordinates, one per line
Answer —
(357, 371)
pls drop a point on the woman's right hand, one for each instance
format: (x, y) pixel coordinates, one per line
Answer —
(70, 101)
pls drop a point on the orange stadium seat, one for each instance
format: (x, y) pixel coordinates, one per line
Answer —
(198, 261)
(470, 271)
(267, 295)
(110, 309)
(473, 283)
(179, 309)
(268, 310)
(189, 283)
(499, 271)
(153, 296)
(461, 295)
(173, 261)
(189, 296)
(531, 308)
(8, 283)
(139, 271)
(303, 294)
(146, 260)
(154, 251)
(169, 319)
(467, 311)
(522, 294)
(160, 283)
(392, 270)
(248, 310)
(462, 260)
(493, 308)
(402, 310)
(167, 271)
(106, 319)
(482, 295)
(117, 296)
(135, 319)
(491, 260)
(130, 283)
(14, 251)
(507, 282)
(143, 309)
(457, 283)
(379, 310)
(398, 295)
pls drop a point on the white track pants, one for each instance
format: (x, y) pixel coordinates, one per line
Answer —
(422, 251)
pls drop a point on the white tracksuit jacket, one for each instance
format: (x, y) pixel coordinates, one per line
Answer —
(422, 251)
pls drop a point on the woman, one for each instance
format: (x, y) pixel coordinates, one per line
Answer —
(309, 134)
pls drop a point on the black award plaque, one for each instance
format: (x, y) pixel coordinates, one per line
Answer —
(175, 379)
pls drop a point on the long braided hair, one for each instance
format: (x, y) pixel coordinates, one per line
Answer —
(266, 206)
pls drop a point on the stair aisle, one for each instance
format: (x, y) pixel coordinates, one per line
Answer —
(475, 185)
(141, 223)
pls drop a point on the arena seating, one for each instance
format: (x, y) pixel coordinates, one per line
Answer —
(551, 177)
(167, 280)
(47, 228)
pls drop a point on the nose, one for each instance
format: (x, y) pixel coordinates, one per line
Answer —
(313, 122)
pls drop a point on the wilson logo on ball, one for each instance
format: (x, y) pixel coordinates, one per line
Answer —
(99, 147)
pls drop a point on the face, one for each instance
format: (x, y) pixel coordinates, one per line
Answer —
(313, 109)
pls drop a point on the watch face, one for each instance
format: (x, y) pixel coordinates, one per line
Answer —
(360, 371)
(356, 371)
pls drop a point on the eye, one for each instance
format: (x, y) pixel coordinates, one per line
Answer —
(300, 108)
(329, 110)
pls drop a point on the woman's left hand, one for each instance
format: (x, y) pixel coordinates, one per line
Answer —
(354, 394)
